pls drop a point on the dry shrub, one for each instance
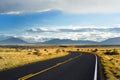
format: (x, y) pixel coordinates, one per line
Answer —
(111, 52)
(95, 50)
(37, 52)
(1, 57)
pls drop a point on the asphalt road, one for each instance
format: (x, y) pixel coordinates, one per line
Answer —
(75, 66)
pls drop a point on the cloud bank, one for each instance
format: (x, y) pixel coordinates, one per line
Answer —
(41, 34)
(72, 6)
(93, 33)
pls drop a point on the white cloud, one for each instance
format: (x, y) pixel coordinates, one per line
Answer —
(113, 28)
(40, 34)
(72, 6)
(12, 12)
(94, 33)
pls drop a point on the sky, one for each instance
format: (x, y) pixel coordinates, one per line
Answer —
(41, 20)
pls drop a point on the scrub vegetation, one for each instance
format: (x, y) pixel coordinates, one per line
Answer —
(21, 55)
(13, 57)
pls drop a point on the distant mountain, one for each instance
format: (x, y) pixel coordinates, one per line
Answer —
(3, 37)
(115, 41)
(13, 40)
(68, 41)
(111, 41)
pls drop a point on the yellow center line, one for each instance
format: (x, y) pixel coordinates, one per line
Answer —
(42, 71)
(25, 77)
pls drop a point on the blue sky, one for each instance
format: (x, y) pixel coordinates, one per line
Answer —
(65, 19)
(15, 22)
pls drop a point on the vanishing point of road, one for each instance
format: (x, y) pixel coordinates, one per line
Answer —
(75, 66)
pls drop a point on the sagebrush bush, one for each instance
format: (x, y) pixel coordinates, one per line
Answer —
(36, 52)
(46, 50)
(109, 52)
(95, 50)
(1, 57)
(63, 50)
(50, 54)
(28, 53)
(78, 49)
(58, 50)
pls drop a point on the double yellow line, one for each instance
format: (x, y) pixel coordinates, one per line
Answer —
(42, 71)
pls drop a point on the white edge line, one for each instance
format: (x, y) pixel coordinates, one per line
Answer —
(95, 73)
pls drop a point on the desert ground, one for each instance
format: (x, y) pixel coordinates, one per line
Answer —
(19, 55)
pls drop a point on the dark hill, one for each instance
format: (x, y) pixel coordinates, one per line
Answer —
(13, 40)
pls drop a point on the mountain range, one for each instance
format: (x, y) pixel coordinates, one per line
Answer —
(68, 41)
(13, 40)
